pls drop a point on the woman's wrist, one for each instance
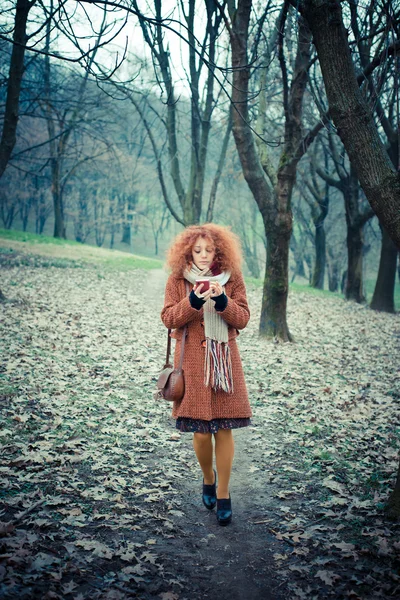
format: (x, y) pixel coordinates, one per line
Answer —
(221, 302)
(195, 301)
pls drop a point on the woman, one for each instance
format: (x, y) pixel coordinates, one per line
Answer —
(216, 399)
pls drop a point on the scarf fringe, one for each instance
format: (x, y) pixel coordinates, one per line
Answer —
(218, 366)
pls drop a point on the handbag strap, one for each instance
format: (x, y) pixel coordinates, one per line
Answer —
(167, 363)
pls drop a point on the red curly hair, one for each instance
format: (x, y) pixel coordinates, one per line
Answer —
(228, 253)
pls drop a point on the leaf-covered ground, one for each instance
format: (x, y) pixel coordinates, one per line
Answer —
(100, 495)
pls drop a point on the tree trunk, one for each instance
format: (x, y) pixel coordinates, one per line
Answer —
(352, 115)
(128, 205)
(333, 275)
(298, 258)
(126, 234)
(299, 267)
(392, 508)
(42, 216)
(333, 270)
(59, 226)
(217, 176)
(320, 257)
(354, 283)
(276, 286)
(319, 206)
(383, 298)
(11, 115)
(318, 275)
(7, 212)
(355, 220)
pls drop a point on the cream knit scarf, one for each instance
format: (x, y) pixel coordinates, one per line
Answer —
(217, 364)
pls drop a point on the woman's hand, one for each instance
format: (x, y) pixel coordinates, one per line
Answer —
(197, 288)
(214, 290)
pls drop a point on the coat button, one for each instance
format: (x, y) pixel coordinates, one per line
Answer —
(203, 343)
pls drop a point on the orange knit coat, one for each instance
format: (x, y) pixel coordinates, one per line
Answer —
(199, 401)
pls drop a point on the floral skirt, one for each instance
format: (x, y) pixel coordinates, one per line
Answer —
(200, 426)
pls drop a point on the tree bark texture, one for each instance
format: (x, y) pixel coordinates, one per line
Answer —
(354, 289)
(333, 274)
(383, 298)
(318, 276)
(274, 302)
(319, 206)
(355, 237)
(356, 218)
(297, 249)
(352, 115)
(59, 225)
(392, 507)
(11, 114)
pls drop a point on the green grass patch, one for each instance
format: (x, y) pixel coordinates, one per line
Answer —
(369, 286)
(69, 253)
(302, 287)
(132, 262)
(34, 238)
(295, 287)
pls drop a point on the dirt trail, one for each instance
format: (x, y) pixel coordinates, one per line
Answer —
(224, 563)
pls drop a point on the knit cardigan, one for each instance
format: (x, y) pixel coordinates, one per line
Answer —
(199, 401)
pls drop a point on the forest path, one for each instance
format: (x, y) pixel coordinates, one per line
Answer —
(222, 563)
(108, 494)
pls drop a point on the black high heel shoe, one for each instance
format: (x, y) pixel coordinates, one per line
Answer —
(210, 493)
(224, 510)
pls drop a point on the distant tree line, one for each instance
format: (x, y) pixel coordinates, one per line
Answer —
(113, 155)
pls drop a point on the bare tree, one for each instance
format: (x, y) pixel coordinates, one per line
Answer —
(7, 209)
(189, 194)
(383, 92)
(357, 216)
(245, 223)
(318, 201)
(67, 120)
(42, 207)
(11, 114)
(352, 115)
(272, 189)
(157, 216)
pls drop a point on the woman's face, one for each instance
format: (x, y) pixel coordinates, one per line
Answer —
(203, 253)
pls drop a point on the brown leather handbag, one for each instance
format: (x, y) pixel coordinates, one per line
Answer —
(171, 382)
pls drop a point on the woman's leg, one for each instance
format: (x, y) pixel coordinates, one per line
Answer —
(224, 452)
(202, 444)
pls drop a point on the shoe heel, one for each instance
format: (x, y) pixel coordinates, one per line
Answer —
(224, 510)
(209, 495)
